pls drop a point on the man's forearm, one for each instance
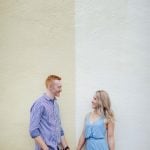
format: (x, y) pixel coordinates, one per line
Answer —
(41, 143)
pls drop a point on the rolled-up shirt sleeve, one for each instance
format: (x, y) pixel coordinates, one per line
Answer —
(62, 132)
(35, 117)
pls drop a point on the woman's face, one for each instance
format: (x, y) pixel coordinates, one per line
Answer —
(95, 102)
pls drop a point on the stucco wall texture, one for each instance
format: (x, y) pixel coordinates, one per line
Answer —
(92, 45)
(36, 39)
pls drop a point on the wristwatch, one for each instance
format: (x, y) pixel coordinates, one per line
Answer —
(66, 148)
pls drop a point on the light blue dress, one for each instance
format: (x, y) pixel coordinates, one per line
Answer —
(95, 134)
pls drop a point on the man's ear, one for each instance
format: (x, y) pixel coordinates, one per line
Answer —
(50, 86)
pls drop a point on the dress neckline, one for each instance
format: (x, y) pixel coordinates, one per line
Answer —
(93, 122)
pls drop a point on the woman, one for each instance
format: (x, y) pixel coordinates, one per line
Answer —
(98, 132)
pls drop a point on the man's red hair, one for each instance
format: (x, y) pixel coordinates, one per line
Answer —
(51, 78)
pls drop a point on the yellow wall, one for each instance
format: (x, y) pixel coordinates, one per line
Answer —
(36, 39)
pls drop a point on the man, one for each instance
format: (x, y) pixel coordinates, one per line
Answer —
(45, 123)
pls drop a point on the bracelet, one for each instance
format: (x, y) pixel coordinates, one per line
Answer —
(66, 148)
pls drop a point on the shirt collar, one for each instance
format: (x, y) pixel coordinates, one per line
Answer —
(48, 98)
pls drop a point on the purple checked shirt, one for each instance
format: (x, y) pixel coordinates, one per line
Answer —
(45, 122)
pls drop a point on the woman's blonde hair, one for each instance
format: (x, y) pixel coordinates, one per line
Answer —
(105, 104)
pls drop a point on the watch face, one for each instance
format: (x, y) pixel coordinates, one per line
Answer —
(66, 148)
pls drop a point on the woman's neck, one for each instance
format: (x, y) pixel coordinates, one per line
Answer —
(97, 112)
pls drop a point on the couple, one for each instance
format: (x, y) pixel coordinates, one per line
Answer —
(45, 123)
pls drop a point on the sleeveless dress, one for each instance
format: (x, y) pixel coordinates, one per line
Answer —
(95, 134)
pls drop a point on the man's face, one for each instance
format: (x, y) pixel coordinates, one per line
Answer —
(56, 87)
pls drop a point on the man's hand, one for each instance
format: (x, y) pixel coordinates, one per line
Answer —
(64, 143)
(46, 148)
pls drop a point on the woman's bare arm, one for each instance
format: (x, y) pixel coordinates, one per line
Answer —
(81, 141)
(110, 135)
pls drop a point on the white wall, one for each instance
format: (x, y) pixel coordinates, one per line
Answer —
(112, 53)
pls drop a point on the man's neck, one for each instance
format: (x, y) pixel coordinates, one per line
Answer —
(50, 95)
